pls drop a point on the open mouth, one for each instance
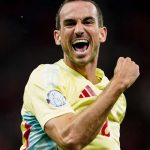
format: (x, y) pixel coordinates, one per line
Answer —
(80, 45)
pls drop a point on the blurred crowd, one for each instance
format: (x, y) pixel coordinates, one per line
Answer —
(26, 40)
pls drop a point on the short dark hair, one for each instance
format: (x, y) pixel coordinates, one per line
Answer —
(99, 12)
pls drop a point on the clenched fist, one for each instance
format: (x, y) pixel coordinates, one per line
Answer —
(126, 72)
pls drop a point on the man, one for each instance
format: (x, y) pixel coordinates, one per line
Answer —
(70, 104)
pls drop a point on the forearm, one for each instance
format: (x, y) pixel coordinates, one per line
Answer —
(87, 124)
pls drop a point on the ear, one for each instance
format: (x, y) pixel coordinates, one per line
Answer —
(102, 34)
(57, 37)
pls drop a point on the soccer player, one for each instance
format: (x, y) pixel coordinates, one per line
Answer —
(71, 104)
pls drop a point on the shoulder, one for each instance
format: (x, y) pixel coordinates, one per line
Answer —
(43, 72)
(47, 75)
(102, 77)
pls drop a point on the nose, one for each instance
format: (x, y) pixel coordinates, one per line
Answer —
(79, 29)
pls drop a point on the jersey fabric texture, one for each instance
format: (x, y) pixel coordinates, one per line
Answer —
(56, 89)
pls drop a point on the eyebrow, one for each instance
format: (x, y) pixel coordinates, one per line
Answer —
(89, 18)
(74, 20)
(68, 21)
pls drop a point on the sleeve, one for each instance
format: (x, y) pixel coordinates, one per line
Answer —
(44, 100)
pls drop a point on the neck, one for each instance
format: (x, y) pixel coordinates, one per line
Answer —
(88, 71)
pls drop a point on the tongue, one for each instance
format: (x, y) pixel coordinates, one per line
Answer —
(81, 49)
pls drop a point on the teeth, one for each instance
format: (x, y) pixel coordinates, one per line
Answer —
(80, 41)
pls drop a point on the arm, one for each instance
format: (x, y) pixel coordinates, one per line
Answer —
(76, 131)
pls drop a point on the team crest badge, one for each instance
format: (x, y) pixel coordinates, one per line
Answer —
(56, 98)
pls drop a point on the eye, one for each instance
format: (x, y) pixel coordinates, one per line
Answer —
(69, 23)
(89, 21)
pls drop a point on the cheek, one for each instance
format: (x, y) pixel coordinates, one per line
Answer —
(67, 32)
(96, 38)
(95, 35)
(65, 38)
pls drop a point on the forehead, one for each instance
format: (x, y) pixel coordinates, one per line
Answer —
(78, 10)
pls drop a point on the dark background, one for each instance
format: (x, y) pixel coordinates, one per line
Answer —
(26, 40)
